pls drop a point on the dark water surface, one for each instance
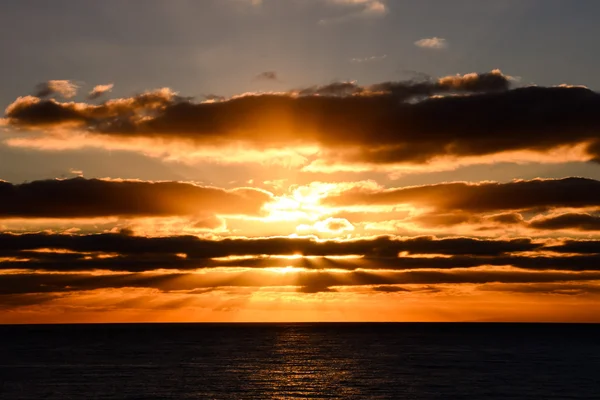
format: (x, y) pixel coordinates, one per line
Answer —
(303, 361)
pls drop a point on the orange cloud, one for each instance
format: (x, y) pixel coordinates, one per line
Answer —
(100, 90)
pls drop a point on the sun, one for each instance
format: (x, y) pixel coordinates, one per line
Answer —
(300, 203)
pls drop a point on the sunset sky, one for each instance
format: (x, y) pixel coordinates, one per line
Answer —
(299, 160)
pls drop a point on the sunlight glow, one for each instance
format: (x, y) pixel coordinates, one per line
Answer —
(285, 270)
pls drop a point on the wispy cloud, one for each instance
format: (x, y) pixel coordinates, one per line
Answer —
(432, 43)
(255, 3)
(368, 59)
(267, 76)
(359, 8)
(377, 6)
(100, 90)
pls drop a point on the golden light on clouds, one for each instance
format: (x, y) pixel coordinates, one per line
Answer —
(301, 212)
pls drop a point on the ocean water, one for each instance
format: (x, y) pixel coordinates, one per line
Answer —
(300, 361)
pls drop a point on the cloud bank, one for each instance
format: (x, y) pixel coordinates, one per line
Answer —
(465, 118)
(92, 198)
(66, 241)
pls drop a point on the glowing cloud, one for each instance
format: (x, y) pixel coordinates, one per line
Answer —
(100, 90)
(435, 43)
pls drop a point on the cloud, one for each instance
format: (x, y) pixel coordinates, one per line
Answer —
(334, 226)
(562, 288)
(194, 247)
(390, 289)
(507, 218)
(368, 59)
(10, 301)
(42, 268)
(480, 197)
(335, 89)
(358, 9)
(267, 76)
(254, 3)
(91, 198)
(403, 91)
(308, 281)
(128, 253)
(100, 90)
(396, 126)
(493, 81)
(33, 111)
(475, 208)
(432, 43)
(577, 246)
(65, 88)
(373, 6)
(567, 221)
(77, 172)
(213, 97)
(176, 242)
(388, 124)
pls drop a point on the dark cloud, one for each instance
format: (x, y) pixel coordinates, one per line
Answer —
(86, 198)
(267, 76)
(152, 262)
(444, 219)
(481, 197)
(493, 81)
(577, 246)
(308, 281)
(396, 289)
(402, 91)
(341, 89)
(195, 247)
(121, 252)
(390, 289)
(377, 124)
(506, 218)
(33, 112)
(9, 301)
(64, 88)
(316, 288)
(572, 221)
(563, 288)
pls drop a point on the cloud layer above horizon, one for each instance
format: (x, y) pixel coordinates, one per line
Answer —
(322, 225)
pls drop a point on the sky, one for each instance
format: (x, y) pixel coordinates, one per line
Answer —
(299, 160)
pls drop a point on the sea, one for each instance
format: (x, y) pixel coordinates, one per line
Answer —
(300, 361)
